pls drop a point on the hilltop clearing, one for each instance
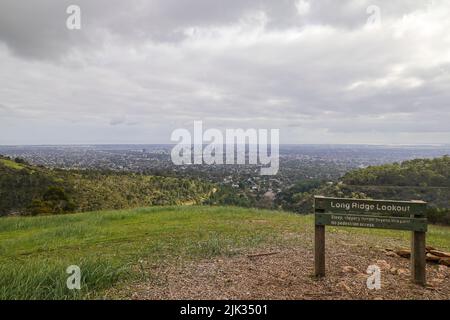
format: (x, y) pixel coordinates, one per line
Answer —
(203, 252)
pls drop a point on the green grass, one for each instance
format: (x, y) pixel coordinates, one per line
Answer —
(11, 164)
(108, 245)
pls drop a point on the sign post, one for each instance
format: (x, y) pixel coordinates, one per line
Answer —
(319, 250)
(383, 214)
(418, 257)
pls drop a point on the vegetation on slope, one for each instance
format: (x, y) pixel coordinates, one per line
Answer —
(419, 179)
(34, 190)
(417, 172)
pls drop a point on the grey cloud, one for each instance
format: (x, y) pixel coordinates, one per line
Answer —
(132, 74)
(117, 120)
(38, 29)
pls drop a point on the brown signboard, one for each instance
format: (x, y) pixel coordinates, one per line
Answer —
(362, 213)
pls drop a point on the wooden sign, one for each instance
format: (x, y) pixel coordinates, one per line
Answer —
(383, 207)
(383, 214)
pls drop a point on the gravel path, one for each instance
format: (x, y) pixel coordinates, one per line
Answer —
(287, 274)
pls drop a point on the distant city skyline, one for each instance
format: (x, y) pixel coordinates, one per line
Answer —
(322, 72)
(282, 144)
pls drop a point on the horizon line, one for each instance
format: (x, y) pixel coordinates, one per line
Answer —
(281, 144)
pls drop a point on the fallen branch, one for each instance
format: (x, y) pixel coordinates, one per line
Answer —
(261, 254)
(432, 255)
(439, 253)
(432, 258)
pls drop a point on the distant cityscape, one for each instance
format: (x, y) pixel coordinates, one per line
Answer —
(297, 162)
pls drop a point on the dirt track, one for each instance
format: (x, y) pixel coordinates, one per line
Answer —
(287, 274)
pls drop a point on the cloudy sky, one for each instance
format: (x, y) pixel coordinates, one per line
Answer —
(322, 71)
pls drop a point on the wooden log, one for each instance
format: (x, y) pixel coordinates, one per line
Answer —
(432, 258)
(403, 253)
(440, 253)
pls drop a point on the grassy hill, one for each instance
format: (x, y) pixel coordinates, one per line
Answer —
(417, 172)
(118, 251)
(32, 190)
(418, 179)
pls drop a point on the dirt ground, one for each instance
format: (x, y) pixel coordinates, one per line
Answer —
(287, 274)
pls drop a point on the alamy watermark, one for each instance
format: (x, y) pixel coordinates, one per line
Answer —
(237, 146)
(374, 19)
(74, 280)
(73, 21)
(374, 280)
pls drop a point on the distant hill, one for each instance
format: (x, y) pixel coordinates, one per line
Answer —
(418, 179)
(31, 190)
(417, 172)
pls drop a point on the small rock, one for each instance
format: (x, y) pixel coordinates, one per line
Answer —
(393, 270)
(344, 286)
(349, 269)
(402, 272)
(391, 254)
(383, 265)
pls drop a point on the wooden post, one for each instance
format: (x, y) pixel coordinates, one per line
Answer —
(418, 258)
(319, 240)
(418, 255)
(319, 251)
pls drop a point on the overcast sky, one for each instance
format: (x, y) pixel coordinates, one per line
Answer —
(137, 70)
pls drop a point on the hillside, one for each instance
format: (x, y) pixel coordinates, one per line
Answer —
(418, 179)
(199, 252)
(417, 173)
(31, 190)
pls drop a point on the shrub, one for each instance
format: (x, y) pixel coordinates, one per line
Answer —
(439, 216)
